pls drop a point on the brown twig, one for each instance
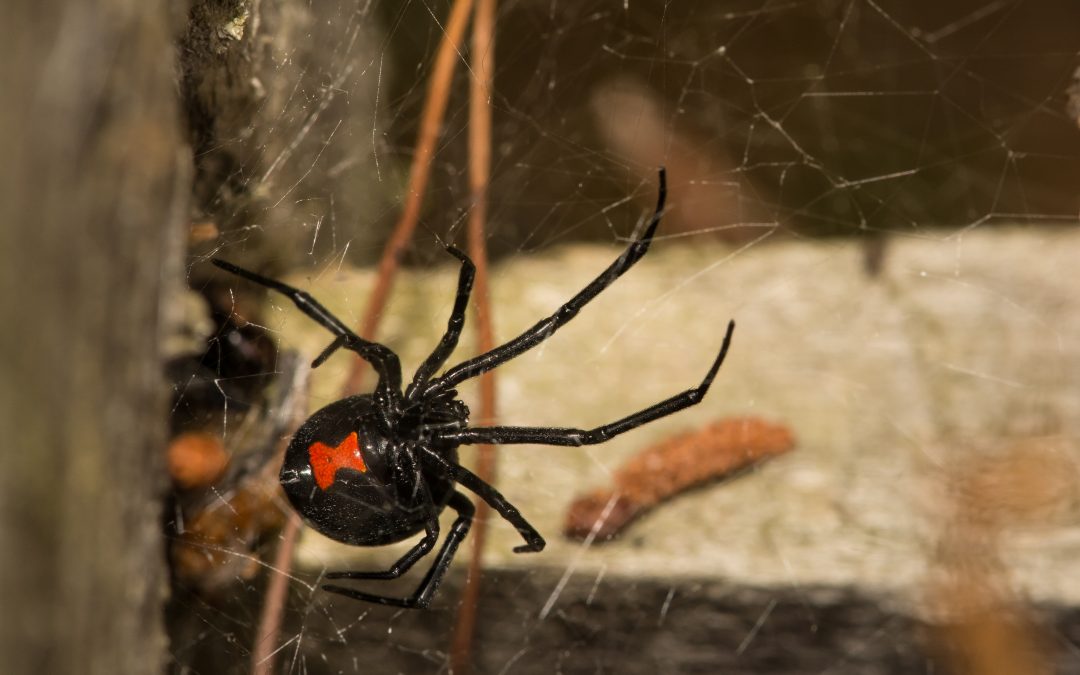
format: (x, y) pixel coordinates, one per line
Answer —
(673, 466)
(266, 634)
(483, 60)
(442, 77)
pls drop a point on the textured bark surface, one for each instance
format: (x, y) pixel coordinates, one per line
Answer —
(93, 190)
(277, 97)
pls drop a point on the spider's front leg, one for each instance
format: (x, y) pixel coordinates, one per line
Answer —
(544, 328)
(575, 437)
(449, 339)
(381, 357)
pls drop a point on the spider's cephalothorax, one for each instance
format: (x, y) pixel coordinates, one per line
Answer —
(375, 469)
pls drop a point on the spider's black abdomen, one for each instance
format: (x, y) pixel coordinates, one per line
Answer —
(346, 478)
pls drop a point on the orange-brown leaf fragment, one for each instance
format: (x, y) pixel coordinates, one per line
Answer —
(678, 464)
(196, 459)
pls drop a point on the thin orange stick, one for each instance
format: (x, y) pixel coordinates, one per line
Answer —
(483, 63)
(266, 637)
(269, 627)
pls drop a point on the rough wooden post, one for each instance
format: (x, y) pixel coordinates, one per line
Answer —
(93, 189)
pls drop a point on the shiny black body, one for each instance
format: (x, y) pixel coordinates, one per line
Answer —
(383, 505)
(409, 439)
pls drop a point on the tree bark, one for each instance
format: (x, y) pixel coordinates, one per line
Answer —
(93, 190)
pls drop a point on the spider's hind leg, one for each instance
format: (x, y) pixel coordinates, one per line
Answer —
(534, 541)
(405, 562)
(421, 598)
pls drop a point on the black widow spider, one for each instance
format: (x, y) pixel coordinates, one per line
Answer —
(377, 468)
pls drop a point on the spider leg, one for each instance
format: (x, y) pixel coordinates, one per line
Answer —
(384, 360)
(543, 329)
(453, 329)
(421, 598)
(533, 540)
(421, 549)
(574, 437)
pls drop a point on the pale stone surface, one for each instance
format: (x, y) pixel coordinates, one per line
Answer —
(889, 384)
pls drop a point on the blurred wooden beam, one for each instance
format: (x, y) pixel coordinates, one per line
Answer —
(93, 193)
